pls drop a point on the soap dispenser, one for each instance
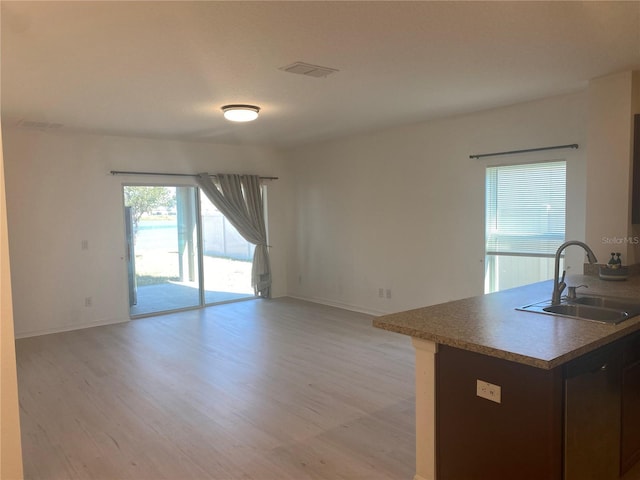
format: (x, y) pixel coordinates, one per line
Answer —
(614, 270)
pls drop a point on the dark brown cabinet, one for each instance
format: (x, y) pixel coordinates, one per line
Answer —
(477, 439)
(630, 404)
(592, 416)
(579, 421)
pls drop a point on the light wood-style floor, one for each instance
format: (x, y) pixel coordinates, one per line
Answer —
(257, 390)
(264, 390)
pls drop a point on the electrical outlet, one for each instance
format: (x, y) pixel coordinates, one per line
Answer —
(488, 391)
(88, 301)
(388, 293)
(85, 245)
(381, 292)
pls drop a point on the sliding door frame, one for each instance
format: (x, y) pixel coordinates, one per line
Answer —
(200, 248)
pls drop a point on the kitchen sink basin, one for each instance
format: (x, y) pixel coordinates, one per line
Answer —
(607, 302)
(597, 314)
(603, 309)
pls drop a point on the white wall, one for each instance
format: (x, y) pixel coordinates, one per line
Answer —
(401, 209)
(404, 209)
(60, 192)
(609, 165)
(634, 248)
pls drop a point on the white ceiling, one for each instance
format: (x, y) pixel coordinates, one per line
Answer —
(164, 69)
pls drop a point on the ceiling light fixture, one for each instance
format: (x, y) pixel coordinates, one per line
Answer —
(240, 113)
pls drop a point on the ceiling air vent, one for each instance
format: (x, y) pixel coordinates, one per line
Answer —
(309, 70)
(39, 125)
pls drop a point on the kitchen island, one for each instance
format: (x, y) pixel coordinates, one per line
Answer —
(468, 347)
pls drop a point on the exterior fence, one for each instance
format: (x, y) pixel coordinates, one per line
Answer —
(221, 239)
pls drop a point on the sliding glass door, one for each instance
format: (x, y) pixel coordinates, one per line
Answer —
(162, 244)
(227, 258)
(169, 267)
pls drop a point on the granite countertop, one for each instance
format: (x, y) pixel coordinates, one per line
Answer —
(489, 324)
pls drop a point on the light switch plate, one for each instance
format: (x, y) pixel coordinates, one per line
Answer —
(488, 391)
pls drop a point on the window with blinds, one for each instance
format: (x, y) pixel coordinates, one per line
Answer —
(525, 222)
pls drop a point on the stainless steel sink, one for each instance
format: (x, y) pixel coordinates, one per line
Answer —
(596, 308)
(607, 302)
(596, 314)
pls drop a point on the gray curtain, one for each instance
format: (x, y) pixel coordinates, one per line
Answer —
(239, 198)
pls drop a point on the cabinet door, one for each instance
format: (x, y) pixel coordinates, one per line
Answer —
(630, 438)
(592, 416)
(477, 439)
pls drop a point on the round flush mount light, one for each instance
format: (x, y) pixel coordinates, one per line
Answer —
(240, 113)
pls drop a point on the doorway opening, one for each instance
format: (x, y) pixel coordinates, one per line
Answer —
(181, 251)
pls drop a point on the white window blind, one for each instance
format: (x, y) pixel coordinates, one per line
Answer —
(525, 217)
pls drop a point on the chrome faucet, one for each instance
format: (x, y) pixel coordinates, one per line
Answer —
(558, 283)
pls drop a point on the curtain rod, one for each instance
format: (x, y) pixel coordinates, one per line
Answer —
(556, 147)
(117, 172)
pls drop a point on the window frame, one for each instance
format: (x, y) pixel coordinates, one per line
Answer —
(529, 249)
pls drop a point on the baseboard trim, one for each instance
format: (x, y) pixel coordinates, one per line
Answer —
(69, 328)
(344, 306)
